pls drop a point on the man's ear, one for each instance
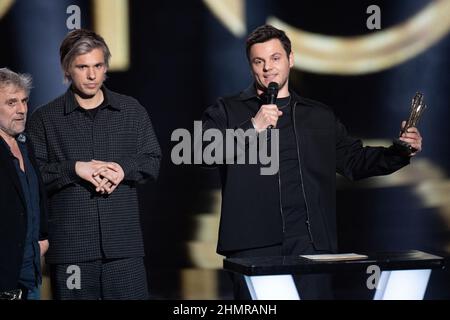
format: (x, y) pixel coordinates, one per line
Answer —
(291, 59)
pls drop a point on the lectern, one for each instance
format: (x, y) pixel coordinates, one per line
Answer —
(404, 274)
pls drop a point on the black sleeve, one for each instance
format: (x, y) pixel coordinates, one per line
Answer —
(215, 117)
(56, 175)
(355, 161)
(144, 165)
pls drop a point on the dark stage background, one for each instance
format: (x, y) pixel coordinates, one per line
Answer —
(184, 54)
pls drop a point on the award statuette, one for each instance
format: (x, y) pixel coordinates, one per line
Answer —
(417, 108)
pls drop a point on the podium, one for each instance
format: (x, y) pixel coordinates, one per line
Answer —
(404, 275)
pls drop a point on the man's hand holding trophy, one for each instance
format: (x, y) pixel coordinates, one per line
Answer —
(409, 141)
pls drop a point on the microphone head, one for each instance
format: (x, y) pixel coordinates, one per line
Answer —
(272, 88)
(272, 93)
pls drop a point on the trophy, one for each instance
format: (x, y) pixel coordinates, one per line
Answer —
(417, 108)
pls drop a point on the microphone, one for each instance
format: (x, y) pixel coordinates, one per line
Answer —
(271, 95)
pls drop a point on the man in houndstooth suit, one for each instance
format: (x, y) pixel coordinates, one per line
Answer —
(93, 146)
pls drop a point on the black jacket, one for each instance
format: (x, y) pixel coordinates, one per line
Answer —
(251, 215)
(13, 218)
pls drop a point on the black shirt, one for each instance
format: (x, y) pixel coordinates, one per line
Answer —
(292, 199)
(93, 112)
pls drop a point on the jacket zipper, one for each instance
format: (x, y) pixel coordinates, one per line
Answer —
(281, 206)
(308, 225)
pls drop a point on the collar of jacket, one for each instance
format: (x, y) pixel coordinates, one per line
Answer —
(7, 155)
(71, 103)
(250, 93)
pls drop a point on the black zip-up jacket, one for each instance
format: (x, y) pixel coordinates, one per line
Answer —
(251, 215)
(13, 218)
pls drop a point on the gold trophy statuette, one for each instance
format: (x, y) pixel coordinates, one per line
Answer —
(417, 108)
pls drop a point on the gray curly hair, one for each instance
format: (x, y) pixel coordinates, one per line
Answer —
(22, 81)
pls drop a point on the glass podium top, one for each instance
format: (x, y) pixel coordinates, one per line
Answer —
(402, 260)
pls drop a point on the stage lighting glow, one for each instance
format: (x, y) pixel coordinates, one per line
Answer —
(373, 52)
(112, 22)
(4, 6)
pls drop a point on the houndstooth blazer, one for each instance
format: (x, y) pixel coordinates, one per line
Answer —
(85, 225)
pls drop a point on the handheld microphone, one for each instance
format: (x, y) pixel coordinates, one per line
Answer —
(271, 95)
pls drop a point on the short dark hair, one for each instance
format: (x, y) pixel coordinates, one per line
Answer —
(78, 42)
(265, 33)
